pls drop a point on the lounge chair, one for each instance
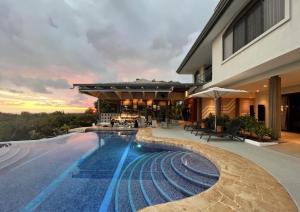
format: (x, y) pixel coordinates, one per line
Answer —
(208, 126)
(232, 131)
(188, 127)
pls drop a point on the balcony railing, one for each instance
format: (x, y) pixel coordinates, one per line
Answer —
(204, 76)
(208, 74)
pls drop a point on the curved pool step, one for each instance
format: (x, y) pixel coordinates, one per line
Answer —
(183, 185)
(135, 194)
(122, 202)
(151, 194)
(15, 159)
(4, 151)
(10, 154)
(199, 165)
(203, 181)
(155, 178)
(165, 188)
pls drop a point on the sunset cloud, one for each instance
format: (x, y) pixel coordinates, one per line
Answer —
(46, 46)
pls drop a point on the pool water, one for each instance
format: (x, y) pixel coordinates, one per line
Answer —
(104, 171)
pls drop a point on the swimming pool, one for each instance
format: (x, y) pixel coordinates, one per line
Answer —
(103, 171)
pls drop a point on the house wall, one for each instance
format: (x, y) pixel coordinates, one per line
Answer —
(245, 106)
(228, 106)
(279, 40)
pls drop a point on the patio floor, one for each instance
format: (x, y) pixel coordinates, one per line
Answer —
(282, 160)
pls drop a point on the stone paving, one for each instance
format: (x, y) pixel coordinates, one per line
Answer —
(243, 185)
(276, 159)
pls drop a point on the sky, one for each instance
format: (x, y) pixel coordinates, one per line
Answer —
(48, 45)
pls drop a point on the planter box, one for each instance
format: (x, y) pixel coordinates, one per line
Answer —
(256, 143)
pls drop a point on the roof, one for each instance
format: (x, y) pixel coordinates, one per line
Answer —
(138, 84)
(220, 9)
(139, 89)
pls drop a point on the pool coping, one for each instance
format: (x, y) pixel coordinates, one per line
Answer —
(242, 185)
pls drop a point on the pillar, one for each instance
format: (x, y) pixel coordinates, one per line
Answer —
(199, 109)
(274, 106)
(98, 110)
(218, 105)
(237, 107)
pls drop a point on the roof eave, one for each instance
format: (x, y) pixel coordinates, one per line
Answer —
(220, 9)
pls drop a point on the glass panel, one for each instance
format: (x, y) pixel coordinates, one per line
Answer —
(273, 12)
(239, 33)
(254, 22)
(228, 45)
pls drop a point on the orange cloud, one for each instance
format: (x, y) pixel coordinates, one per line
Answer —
(17, 102)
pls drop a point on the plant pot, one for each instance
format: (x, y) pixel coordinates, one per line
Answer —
(220, 129)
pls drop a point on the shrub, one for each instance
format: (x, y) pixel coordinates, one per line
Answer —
(35, 135)
(254, 127)
(65, 128)
(209, 121)
(261, 130)
(35, 126)
(223, 120)
(248, 123)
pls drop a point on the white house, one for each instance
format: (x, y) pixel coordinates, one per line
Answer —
(252, 45)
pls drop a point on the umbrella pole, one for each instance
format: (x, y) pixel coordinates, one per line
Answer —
(217, 109)
(216, 112)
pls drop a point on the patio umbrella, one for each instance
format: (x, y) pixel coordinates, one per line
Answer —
(217, 92)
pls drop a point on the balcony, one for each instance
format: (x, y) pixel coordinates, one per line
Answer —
(207, 74)
(204, 76)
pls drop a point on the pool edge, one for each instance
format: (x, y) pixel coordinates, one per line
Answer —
(243, 185)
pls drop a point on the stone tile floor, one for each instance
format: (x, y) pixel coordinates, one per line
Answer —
(243, 186)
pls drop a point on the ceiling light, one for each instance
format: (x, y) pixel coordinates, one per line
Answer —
(257, 91)
(265, 86)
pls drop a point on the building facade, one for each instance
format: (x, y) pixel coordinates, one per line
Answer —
(254, 46)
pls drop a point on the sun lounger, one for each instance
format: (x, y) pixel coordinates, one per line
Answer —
(232, 132)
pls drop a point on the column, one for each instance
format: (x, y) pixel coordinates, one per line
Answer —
(237, 107)
(274, 106)
(98, 110)
(218, 105)
(199, 109)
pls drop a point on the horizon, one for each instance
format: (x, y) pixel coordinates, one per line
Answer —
(90, 42)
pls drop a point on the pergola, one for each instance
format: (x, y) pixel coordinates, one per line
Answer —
(139, 89)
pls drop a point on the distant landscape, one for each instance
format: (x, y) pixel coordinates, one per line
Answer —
(27, 126)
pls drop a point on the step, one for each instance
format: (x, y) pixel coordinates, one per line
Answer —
(151, 194)
(93, 174)
(15, 159)
(165, 188)
(135, 194)
(13, 151)
(200, 165)
(4, 150)
(176, 180)
(121, 197)
(203, 181)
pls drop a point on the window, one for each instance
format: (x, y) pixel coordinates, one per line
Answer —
(239, 35)
(254, 20)
(273, 12)
(227, 44)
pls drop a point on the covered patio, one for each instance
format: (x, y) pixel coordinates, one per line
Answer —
(141, 99)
